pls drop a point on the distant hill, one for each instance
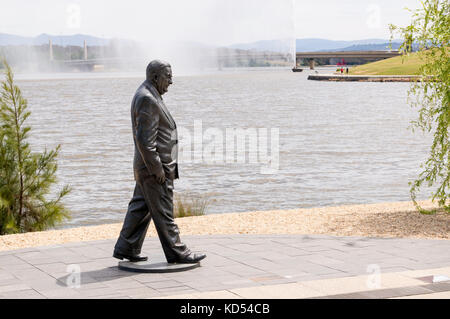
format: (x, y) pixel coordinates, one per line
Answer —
(312, 44)
(302, 45)
(63, 40)
(369, 47)
(9, 39)
(265, 45)
(305, 45)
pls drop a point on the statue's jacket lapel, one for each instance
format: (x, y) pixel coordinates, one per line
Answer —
(163, 107)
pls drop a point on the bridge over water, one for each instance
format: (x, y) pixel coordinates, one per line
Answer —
(223, 57)
(366, 55)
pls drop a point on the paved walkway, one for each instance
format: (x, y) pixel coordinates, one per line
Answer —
(238, 266)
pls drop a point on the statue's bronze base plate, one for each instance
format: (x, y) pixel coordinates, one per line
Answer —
(161, 267)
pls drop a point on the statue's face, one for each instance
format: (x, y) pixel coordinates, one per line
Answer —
(163, 80)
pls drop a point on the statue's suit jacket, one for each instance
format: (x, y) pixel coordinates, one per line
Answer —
(154, 133)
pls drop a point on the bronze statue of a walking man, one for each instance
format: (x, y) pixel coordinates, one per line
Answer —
(155, 168)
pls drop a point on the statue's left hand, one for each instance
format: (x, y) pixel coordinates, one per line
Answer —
(161, 177)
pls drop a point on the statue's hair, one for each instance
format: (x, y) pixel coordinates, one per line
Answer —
(154, 68)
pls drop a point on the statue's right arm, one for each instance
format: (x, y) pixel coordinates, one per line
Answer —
(147, 121)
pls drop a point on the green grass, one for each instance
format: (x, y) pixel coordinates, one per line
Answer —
(399, 65)
(189, 205)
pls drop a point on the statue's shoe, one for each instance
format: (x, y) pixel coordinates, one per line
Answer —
(189, 259)
(130, 258)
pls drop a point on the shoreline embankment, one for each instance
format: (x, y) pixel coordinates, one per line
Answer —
(399, 219)
(363, 78)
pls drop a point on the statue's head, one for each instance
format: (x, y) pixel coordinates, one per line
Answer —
(159, 73)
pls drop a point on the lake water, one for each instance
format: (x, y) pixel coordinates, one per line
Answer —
(339, 143)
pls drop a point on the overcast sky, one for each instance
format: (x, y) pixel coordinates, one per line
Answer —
(208, 21)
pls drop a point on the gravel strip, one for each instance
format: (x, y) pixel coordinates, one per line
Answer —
(373, 220)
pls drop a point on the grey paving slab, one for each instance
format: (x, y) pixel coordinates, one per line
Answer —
(88, 286)
(32, 274)
(6, 289)
(258, 263)
(276, 281)
(4, 275)
(233, 261)
(23, 250)
(93, 266)
(60, 293)
(216, 260)
(109, 296)
(22, 294)
(355, 295)
(147, 278)
(320, 260)
(53, 269)
(275, 256)
(289, 272)
(129, 284)
(204, 275)
(243, 270)
(48, 284)
(91, 252)
(7, 282)
(140, 293)
(99, 291)
(294, 251)
(84, 279)
(178, 290)
(397, 292)
(9, 261)
(244, 247)
(78, 244)
(439, 287)
(203, 285)
(383, 293)
(164, 284)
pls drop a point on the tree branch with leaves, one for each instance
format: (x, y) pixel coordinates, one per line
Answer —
(429, 30)
(26, 178)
